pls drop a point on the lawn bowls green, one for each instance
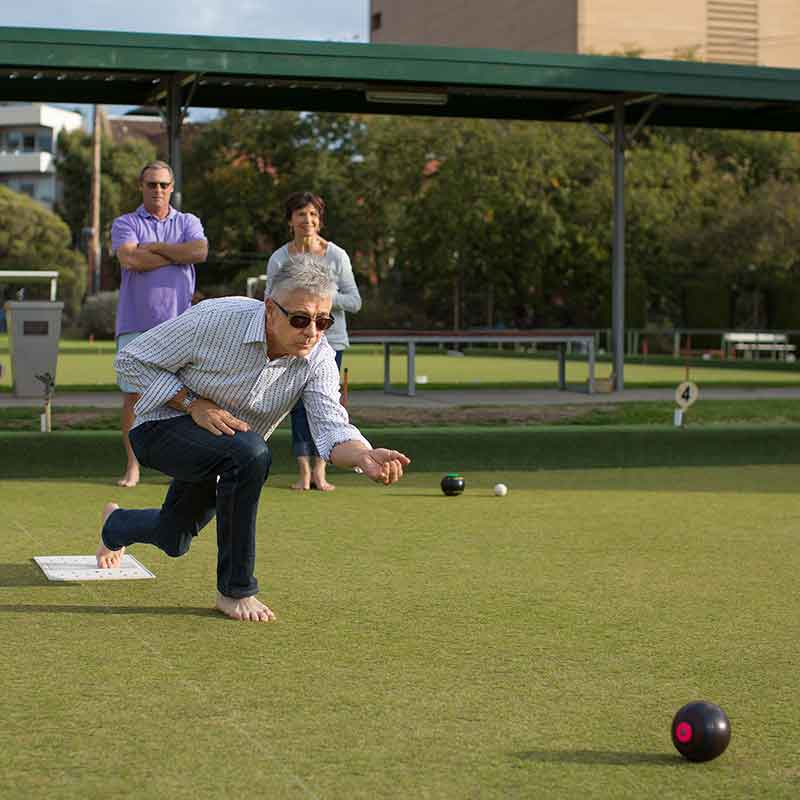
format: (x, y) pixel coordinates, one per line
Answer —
(453, 484)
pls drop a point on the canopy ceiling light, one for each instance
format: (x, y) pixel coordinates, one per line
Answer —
(407, 98)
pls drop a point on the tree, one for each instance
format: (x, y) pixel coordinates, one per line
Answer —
(478, 236)
(752, 158)
(121, 163)
(483, 222)
(32, 237)
(240, 170)
(752, 247)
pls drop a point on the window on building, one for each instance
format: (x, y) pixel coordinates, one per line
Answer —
(28, 142)
(376, 21)
(14, 139)
(45, 190)
(28, 189)
(45, 141)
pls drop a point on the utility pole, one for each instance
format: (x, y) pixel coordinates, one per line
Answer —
(94, 205)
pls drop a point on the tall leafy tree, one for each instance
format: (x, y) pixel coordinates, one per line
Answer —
(32, 237)
(120, 164)
(477, 238)
(751, 248)
(479, 222)
(242, 167)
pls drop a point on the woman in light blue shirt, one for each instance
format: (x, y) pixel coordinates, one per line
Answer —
(305, 215)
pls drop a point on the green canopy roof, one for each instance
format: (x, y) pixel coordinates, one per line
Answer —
(39, 64)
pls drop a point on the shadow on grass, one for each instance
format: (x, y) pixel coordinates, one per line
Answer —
(26, 574)
(156, 611)
(608, 757)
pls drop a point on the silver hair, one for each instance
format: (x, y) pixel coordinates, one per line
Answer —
(306, 273)
(157, 165)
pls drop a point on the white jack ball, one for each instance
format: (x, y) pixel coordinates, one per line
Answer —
(501, 490)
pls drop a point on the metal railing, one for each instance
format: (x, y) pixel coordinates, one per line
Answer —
(715, 342)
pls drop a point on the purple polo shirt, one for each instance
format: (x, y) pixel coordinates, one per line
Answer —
(147, 299)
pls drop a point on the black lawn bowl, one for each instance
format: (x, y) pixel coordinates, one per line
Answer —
(701, 731)
(453, 484)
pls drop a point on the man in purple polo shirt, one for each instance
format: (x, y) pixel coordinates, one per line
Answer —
(157, 247)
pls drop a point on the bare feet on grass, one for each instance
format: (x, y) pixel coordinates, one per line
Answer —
(305, 485)
(318, 479)
(314, 481)
(250, 609)
(108, 559)
(311, 475)
(131, 476)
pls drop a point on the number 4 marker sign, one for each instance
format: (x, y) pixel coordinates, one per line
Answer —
(686, 394)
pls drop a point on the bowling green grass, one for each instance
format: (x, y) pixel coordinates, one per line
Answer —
(532, 646)
(83, 366)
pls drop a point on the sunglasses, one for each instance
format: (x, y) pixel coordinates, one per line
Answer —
(301, 321)
(163, 184)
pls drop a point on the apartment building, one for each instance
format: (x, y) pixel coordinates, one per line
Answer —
(755, 32)
(28, 138)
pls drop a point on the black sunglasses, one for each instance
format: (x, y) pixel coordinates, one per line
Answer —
(162, 184)
(303, 320)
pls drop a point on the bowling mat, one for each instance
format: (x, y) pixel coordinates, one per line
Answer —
(84, 568)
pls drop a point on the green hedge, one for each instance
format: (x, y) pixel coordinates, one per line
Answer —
(98, 454)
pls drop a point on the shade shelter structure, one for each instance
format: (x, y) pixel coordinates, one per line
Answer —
(177, 72)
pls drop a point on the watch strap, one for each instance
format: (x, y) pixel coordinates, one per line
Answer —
(188, 399)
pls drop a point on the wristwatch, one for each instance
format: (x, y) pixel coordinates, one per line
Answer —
(188, 399)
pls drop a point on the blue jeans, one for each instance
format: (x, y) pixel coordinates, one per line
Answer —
(302, 443)
(194, 458)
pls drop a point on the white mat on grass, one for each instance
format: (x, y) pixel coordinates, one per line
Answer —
(84, 568)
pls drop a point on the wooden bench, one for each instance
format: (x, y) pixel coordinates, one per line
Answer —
(706, 353)
(776, 344)
(410, 339)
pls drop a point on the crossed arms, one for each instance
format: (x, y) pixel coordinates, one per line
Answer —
(153, 255)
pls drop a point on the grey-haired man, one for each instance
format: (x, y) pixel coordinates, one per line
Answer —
(215, 383)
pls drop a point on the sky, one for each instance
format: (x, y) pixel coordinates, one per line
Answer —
(322, 20)
(325, 20)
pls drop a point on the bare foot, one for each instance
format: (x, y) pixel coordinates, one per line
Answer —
(108, 559)
(303, 485)
(244, 608)
(131, 476)
(322, 485)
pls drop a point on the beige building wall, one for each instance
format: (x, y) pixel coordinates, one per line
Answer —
(765, 32)
(656, 28)
(544, 25)
(779, 33)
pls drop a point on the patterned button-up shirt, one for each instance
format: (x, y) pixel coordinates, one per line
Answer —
(218, 350)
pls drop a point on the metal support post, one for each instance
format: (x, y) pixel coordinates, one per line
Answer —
(174, 121)
(411, 369)
(618, 270)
